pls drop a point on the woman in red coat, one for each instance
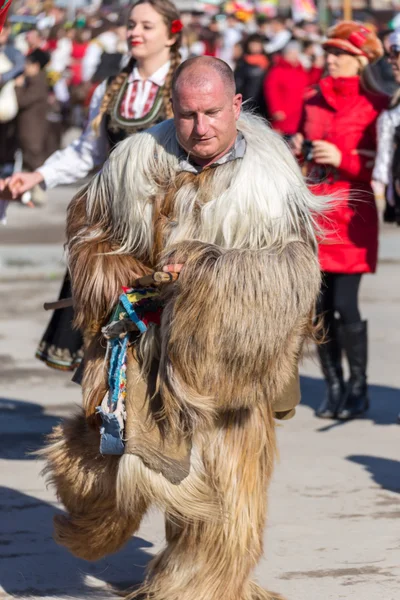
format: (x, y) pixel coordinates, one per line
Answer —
(338, 135)
(284, 88)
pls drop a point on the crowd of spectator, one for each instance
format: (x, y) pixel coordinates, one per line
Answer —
(328, 93)
(55, 65)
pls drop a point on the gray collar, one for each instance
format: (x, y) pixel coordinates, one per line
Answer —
(237, 151)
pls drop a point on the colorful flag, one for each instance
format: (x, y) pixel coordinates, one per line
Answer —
(4, 6)
(267, 7)
(242, 9)
(304, 10)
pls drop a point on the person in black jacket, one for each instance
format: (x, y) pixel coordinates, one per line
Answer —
(250, 73)
(32, 93)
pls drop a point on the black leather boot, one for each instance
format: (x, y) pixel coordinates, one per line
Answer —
(330, 357)
(354, 340)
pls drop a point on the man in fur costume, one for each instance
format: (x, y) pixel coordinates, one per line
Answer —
(217, 192)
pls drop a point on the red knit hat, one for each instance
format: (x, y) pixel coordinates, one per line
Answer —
(356, 39)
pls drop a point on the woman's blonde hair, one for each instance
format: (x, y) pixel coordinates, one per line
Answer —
(169, 13)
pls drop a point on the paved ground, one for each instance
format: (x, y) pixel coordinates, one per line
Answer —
(333, 529)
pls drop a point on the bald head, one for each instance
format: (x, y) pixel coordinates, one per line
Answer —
(202, 71)
(206, 108)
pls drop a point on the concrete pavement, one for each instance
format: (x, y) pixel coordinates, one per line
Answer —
(333, 529)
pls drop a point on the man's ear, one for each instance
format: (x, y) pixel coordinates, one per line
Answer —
(237, 105)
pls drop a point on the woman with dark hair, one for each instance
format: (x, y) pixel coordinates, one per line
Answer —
(250, 73)
(134, 100)
(338, 135)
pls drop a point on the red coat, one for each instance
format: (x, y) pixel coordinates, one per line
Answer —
(78, 53)
(284, 90)
(342, 112)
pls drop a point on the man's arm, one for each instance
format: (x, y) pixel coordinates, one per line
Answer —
(97, 275)
(278, 42)
(18, 61)
(386, 125)
(265, 363)
(75, 162)
(69, 165)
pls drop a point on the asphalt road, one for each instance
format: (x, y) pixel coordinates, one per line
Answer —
(333, 529)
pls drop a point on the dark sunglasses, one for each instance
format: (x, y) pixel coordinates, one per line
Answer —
(394, 52)
(335, 51)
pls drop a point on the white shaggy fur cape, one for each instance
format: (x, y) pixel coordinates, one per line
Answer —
(254, 202)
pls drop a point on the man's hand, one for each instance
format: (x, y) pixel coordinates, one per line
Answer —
(173, 268)
(325, 153)
(296, 143)
(379, 189)
(19, 183)
(19, 81)
(279, 115)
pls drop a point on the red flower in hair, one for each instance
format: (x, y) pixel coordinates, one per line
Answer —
(176, 26)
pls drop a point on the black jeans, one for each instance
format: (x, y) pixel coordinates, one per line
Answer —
(339, 294)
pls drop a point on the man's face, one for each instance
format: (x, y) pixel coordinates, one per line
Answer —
(394, 59)
(205, 117)
(292, 57)
(33, 38)
(276, 26)
(31, 69)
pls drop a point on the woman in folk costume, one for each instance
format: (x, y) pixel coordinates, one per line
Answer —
(134, 100)
(340, 124)
(192, 400)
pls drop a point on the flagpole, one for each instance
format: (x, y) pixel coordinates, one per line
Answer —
(323, 15)
(347, 10)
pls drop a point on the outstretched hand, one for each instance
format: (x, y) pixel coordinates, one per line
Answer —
(13, 187)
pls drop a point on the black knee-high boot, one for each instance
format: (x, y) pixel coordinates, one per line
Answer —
(354, 340)
(330, 356)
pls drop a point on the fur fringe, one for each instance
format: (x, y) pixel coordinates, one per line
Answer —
(95, 375)
(86, 484)
(193, 499)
